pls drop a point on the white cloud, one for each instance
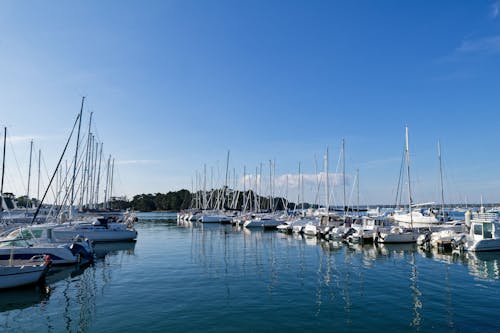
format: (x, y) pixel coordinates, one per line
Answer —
(292, 180)
(128, 162)
(23, 138)
(482, 45)
(495, 10)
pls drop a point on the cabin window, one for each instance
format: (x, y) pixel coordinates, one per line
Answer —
(478, 229)
(487, 230)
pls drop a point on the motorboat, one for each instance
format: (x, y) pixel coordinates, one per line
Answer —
(27, 242)
(265, 221)
(18, 273)
(484, 234)
(96, 230)
(396, 235)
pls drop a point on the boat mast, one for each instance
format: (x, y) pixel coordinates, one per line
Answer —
(94, 173)
(226, 184)
(441, 179)
(106, 190)
(327, 185)
(38, 181)
(98, 177)
(343, 175)
(111, 183)
(29, 175)
(76, 158)
(407, 156)
(3, 168)
(244, 208)
(301, 180)
(270, 185)
(357, 187)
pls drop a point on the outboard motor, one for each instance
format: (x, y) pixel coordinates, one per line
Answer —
(79, 249)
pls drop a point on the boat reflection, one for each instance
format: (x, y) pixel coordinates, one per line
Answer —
(27, 297)
(112, 248)
(22, 298)
(483, 265)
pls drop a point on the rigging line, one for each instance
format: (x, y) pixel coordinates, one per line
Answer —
(55, 171)
(47, 174)
(400, 187)
(18, 167)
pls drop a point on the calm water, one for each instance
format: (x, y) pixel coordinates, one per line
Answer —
(215, 278)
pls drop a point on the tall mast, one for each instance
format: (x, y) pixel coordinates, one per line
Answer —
(38, 181)
(260, 185)
(343, 175)
(407, 155)
(255, 192)
(270, 185)
(244, 208)
(94, 172)
(76, 157)
(204, 186)
(357, 186)
(441, 178)
(226, 184)
(29, 175)
(98, 177)
(111, 182)
(327, 185)
(3, 163)
(106, 190)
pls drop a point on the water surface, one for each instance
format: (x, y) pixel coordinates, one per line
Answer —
(218, 278)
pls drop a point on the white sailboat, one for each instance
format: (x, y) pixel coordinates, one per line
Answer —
(401, 234)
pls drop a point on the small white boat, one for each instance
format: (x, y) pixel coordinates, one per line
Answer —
(285, 227)
(96, 230)
(266, 222)
(310, 229)
(36, 240)
(213, 217)
(18, 273)
(484, 234)
(396, 235)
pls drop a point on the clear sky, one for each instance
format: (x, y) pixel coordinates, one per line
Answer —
(174, 85)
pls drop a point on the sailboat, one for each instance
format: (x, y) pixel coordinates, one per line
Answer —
(425, 218)
(400, 234)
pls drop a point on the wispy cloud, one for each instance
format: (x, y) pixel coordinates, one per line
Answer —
(486, 45)
(23, 138)
(292, 180)
(129, 162)
(495, 10)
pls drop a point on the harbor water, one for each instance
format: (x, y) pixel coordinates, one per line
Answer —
(195, 277)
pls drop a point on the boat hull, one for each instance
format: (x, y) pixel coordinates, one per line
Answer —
(18, 276)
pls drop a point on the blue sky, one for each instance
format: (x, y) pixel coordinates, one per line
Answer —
(175, 84)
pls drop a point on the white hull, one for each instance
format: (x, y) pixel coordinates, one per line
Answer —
(214, 219)
(97, 235)
(396, 235)
(483, 245)
(59, 255)
(111, 232)
(17, 276)
(310, 230)
(262, 223)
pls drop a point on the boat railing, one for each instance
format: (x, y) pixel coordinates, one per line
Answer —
(485, 217)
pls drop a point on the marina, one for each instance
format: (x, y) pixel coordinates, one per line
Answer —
(249, 166)
(194, 276)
